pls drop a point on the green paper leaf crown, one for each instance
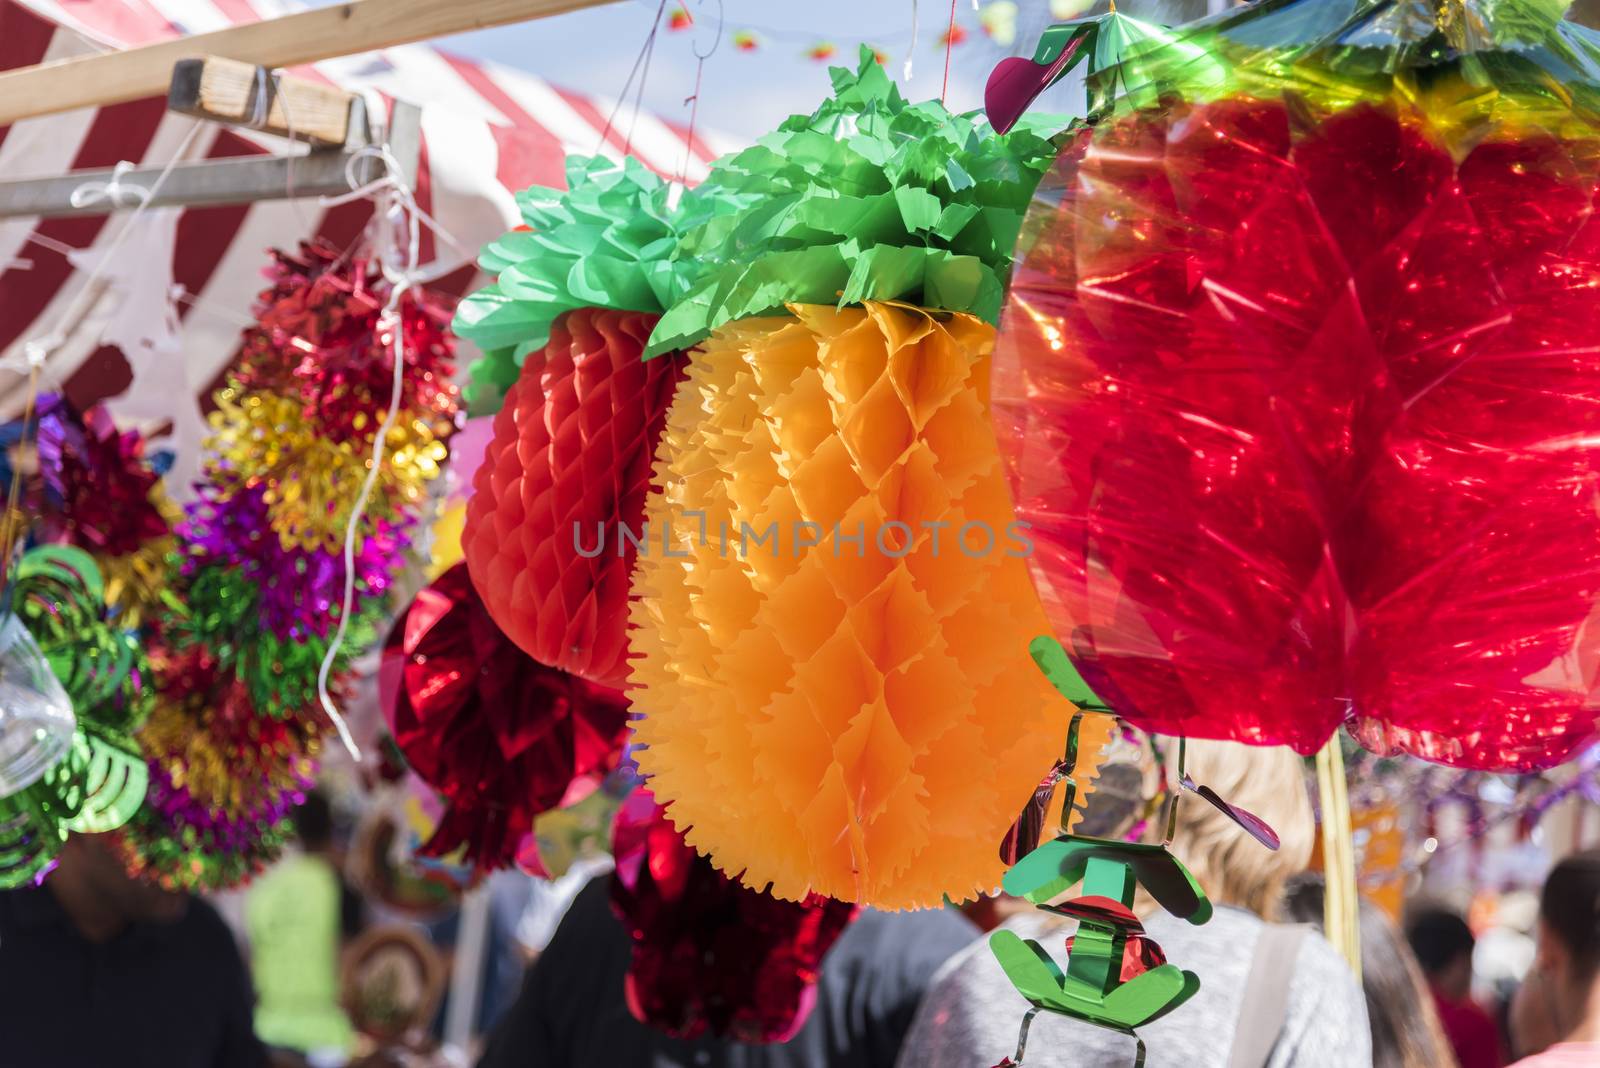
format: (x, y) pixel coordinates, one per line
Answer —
(867, 198)
(609, 240)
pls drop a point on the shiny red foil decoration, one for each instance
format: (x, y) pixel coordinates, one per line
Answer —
(104, 478)
(565, 474)
(320, 335)
(1305, 415)
(710, 955)
(499, 735)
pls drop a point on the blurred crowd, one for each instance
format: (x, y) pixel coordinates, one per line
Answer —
(316, 973)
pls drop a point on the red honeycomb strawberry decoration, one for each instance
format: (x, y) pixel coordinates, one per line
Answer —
(568, 469)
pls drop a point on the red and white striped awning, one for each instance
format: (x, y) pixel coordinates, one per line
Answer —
(487, 131)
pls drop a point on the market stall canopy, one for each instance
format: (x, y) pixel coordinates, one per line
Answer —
(487, 132)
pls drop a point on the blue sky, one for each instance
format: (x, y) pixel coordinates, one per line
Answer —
(748, 93)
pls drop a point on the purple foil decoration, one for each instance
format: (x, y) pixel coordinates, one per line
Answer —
(301, 589)
(176, 807)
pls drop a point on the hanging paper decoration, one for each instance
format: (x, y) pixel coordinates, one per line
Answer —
(499, 735)
(553, 522)
(821, 51)
(100, 491)
(609, 240)
(831, 637)
(295, 423)
(711, 956)
(955, 34)
(813, 595)
(868, 198)
(679, 19)
(834, 673)
(746, 40)
(1296, 379)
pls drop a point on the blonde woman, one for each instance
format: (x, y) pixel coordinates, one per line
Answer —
(1303, 1009)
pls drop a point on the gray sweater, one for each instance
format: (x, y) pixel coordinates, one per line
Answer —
(970, 1018)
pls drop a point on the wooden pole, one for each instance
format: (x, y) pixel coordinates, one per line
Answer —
(306, 37)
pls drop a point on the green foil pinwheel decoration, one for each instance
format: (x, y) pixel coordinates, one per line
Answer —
(58, 594)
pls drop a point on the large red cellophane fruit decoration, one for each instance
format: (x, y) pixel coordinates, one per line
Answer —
(568, 469)
(710, 955)
(1299, 387)
(501, 736)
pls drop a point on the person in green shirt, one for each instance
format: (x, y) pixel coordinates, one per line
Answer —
(293, 917)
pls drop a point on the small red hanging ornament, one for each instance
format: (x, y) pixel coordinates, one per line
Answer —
(321, 337)
(553, 522)
(499, 735)
(711, 956)
(679, 19)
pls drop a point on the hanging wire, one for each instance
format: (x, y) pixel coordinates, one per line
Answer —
(911, 52)
(398, 205)
(694, 99)
(1175, 792)
(949, 46)
(641, 60)
(644, 78)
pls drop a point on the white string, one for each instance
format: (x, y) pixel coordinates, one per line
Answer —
(113, 192)
(260, 104)
(292, 157)
(223, 312)
(399, 207)
(60, 247)
(422, 275)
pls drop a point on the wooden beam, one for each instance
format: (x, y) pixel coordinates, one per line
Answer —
(305, 37)
(242, 94)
